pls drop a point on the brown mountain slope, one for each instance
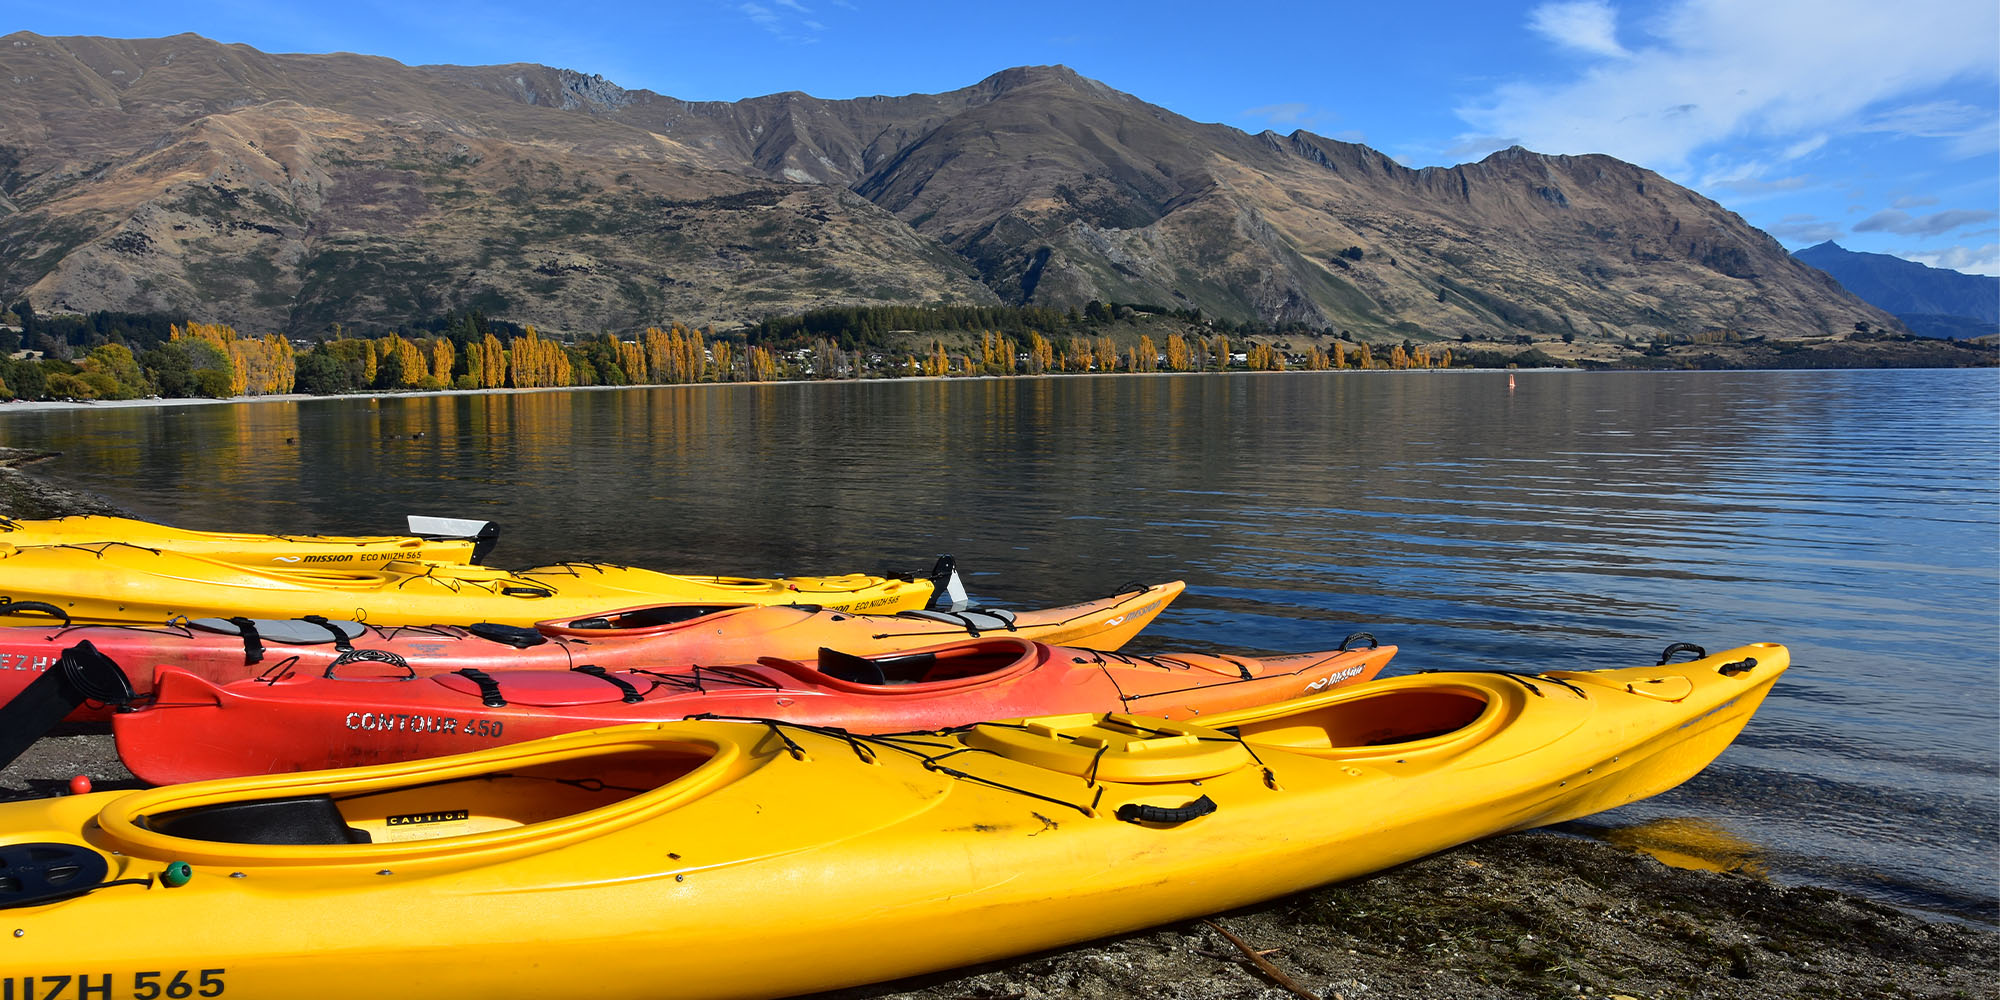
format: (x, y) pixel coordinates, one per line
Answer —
(292, 191)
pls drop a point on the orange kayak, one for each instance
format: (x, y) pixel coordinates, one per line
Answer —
(303, 720)
(660, 636)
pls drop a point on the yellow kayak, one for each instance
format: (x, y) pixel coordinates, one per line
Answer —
(120, 584)
(467, 542)
(754, 859)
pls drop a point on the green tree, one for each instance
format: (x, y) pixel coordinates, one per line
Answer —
(170, 371)
(389, 371)
(321, 374)
(114, 373)
(28, 380)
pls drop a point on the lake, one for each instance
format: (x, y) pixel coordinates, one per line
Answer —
(1480, 520)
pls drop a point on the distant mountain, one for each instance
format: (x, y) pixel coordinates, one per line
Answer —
(290, 192)
(1932, 301)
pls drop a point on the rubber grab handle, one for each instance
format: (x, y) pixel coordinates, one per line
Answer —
(1133, 812)
(1681, 647)
(33, 607)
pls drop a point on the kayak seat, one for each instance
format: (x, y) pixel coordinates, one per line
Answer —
(290, 631)
(973, 621)
(909, 668)
(304, 819)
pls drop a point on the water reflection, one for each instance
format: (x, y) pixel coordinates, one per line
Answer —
(1580, 520)
(1689, 842)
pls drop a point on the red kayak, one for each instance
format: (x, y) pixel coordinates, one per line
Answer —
(298, 720)
(657, 637)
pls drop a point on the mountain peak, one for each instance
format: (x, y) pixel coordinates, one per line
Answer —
(1908, 288)
(291, 191)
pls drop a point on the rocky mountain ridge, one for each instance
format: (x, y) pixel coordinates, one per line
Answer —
(1933, 301)
(291, 192)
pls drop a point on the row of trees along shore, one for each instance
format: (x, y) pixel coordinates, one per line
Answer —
(471, 352)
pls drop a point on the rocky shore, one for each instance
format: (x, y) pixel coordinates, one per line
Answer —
(1543, 914)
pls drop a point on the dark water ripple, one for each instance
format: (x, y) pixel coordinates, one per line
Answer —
(1572, 520)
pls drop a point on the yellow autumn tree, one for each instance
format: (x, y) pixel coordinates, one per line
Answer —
(221, 335)
(1041, 353)
(493, 362)
(1107, 355)
(442, 358)
(1178, 359)
(535, 363)
(631, 358)
(409, 366)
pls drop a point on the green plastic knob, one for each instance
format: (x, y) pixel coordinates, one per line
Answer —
(176, 875)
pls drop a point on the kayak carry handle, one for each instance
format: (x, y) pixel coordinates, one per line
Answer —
(34, 608)
(1681, 647)
(627, 693)
(1350, 640)
(370, 656)
(1134, 812)
(489, 689)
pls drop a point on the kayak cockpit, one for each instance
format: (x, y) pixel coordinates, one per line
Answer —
(525, 796)
(950, 666)
(1394, 721)
(516, 797)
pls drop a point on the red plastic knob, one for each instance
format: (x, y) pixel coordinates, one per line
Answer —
(79, 785)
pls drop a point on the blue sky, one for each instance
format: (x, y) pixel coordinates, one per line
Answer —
(1862, 121)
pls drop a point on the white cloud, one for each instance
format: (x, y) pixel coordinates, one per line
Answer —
(1711, 71)
(1475, 146)
(787, 24)
(1586, 25)
(1914, 201)
(1892, 220)
(1747, 181)
(1805, 229)
(1278, 114)
(1972, 260)
(1804, 147)
(1293, 115)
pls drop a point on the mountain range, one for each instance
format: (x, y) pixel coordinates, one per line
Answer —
(1932, 301)
(288, 193)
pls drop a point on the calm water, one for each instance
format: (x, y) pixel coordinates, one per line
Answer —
(1570, 520)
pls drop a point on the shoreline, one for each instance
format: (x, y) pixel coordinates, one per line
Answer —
(1549, 913)
(46, 405)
